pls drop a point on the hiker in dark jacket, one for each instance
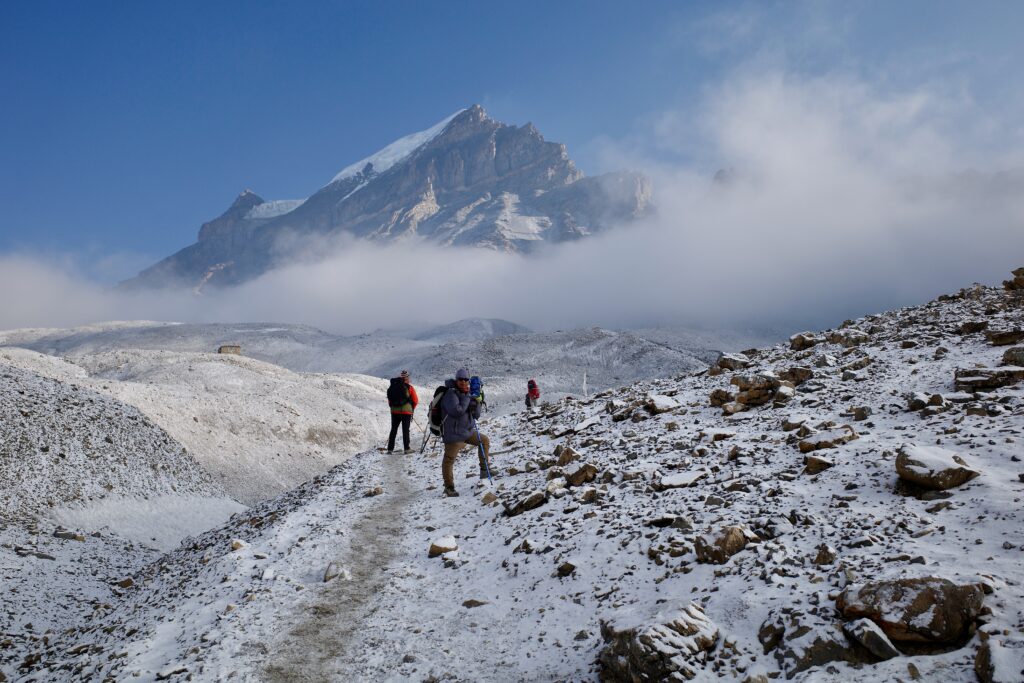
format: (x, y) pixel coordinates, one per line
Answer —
(458, 428)
(401, 409)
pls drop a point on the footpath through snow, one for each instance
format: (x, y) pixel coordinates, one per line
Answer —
(845, 507)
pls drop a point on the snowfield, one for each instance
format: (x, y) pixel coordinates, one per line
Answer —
(759, 520)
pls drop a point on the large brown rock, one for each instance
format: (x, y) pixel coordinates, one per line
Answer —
(1014, 356)
(719, 397)
(933, 468)
(986, 379)
(1004, 337)
(532, 500)
(923, 610)
(828, 439)
(719, 548)
(848, 337)
(801, 640)
(668, 646)
(584, 474)
(804, 340)
(1000, 660)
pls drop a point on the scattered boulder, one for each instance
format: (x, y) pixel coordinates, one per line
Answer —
(848, 337)
(532, 500)
(972, 327)
(922, 610)
(681, 479)
(669, 646)
(1005, 337)
(1014, 356)
(827, 439)
(657, 404)
(719, 548)
(565, 455)
(566, 569)
(584, 474)
(801, 640)
(933, 468)
(867, 633)
(440, 546)
(797, 374)
(757, 388)
(804, 340)
(986, 379)
(815, 464)
(826, 555)
(733, 361)
(719, 397)
(1000, 660)
(791, 422)
(1017, 282)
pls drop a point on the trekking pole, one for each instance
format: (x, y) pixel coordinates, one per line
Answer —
(483, 456)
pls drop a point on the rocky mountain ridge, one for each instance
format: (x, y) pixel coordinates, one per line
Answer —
(842, 507)
(469, 181)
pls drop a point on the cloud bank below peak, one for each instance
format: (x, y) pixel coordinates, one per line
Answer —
(841, 197)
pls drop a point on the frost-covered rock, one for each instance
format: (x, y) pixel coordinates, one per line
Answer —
(532, 500)
(442, 545)
(718, 548)
(868, 634)
(933, 467)
(802, 639)
(1000, 660)
(804, 340)
(827, 439)
(657, 404)
(923, 610)
(733, 361)
(668, 646)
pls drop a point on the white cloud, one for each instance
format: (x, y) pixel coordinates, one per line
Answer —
(846, 198)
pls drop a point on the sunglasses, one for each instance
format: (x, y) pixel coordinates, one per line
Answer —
(462, 380)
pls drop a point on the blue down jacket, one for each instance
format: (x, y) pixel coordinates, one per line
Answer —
(460, 410)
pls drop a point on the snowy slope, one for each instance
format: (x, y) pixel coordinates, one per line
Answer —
(397, 151)
(62, 445)
(259, 429)
(524, 597)
(505, 354)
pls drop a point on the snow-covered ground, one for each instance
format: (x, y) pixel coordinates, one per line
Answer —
(258, 428)
(718, 528)
(564, 362)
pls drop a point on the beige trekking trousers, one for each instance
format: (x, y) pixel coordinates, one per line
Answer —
(452, 449)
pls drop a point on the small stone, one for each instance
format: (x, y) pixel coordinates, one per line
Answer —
(440, 546)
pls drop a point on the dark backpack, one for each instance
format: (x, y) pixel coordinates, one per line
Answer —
(398, 393)
(436, 413)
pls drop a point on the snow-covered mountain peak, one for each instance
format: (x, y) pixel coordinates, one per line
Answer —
(395, 152)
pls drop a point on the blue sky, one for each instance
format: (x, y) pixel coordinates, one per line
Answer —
(126, 125)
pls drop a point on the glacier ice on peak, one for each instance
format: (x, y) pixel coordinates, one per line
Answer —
(396, 151)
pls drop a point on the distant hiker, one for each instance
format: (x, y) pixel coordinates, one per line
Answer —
(458, 427)
(403, 401)
(532, 394)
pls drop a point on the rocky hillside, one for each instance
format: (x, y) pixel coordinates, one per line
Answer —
(469, 180)
(65, 445)
(844, 507)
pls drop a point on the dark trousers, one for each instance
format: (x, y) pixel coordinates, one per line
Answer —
(396, 420)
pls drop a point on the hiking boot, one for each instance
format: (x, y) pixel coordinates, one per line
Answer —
(483, 473)
(407, 451)
(390, 451)
(450, 492)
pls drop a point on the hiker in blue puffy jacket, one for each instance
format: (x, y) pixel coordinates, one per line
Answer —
(458, 428)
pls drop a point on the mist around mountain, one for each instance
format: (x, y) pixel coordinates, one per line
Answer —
(467, 181)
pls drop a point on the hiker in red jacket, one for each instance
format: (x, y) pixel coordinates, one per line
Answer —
(532, 395)
(403, 401)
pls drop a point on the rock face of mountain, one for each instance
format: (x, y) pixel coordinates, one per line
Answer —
(469, 181)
